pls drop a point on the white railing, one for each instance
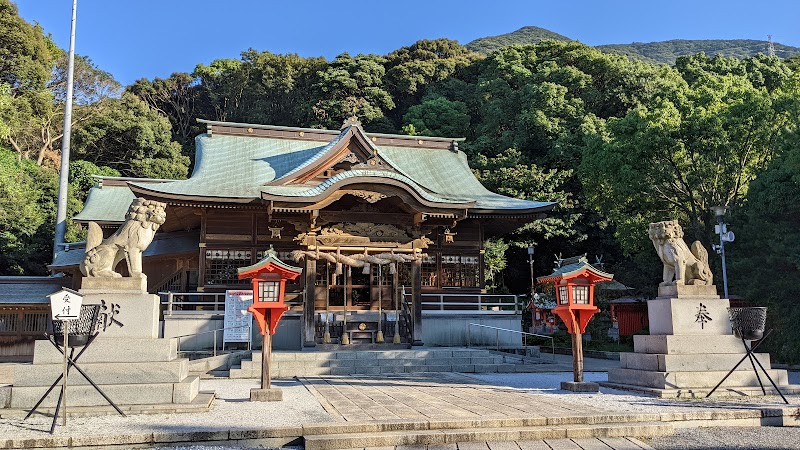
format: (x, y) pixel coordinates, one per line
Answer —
(207, 302)
(483, 303)
(524, 340)
(443, 303)
(214, 338)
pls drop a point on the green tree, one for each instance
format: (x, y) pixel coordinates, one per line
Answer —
(25, 52)
(175, 97)
(132, 138)
(437, 116)
(682, 154)
(350, 86)
(37, 132)
(494, 260)
(27, 210)
(765, 259)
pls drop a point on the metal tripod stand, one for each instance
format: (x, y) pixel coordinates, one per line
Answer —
(89, 320)
(753, 361)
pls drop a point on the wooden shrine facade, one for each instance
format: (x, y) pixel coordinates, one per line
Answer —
(367, 216)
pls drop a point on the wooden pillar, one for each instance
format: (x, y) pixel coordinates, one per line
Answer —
(416, 280)
(266, 361)
(309, 299)
(577, 352)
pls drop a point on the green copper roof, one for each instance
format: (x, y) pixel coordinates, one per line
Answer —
(447, 173)
(240, 168)
(106, 204)
(237, 166)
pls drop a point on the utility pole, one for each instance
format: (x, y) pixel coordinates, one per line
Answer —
(63, 179)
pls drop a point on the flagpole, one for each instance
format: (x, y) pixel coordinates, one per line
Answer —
(63, 179)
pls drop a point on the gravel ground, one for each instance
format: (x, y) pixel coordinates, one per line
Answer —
(232, 410)
(753, 438)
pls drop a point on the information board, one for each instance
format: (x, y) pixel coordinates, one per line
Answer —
(238, 321)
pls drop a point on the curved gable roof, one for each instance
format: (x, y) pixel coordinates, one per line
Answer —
(234, 164)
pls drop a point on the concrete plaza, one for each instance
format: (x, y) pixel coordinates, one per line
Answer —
(433, 410)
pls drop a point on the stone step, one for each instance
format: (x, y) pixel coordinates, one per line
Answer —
(122, 394)
(685, 363)
(201, 403)
(377, 354)
(693, 380)
(687, 344)
(300, 364)
(726, 391)
(504, 434)
(112, 350)
(283, 372)
(104, 373)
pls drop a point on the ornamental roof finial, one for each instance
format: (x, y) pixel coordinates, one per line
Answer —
(351, 121)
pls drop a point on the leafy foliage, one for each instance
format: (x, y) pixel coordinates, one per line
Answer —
(765, 260)
(698, 146)
(132, 138)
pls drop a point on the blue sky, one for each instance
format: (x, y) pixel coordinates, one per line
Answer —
(148, 38)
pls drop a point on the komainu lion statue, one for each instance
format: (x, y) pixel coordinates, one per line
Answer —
(128, 242)
(681, 265)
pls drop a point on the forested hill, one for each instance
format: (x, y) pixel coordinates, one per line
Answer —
(658, 52)
(525, 35)
(668, 51)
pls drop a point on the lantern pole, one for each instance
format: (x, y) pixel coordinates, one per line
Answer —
(266, 360)
(577, 351)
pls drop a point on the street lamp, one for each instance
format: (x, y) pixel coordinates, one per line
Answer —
(724, 236)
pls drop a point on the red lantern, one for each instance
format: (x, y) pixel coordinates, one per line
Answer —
(574, 284)
(269, 287)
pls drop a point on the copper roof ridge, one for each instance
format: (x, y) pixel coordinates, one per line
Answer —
(326, 131)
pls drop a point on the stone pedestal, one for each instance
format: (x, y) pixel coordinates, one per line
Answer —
(690, 349)
(266, 395)
(127, 360)
(584, 386)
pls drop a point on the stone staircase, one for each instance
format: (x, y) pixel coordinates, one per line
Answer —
(375, 362)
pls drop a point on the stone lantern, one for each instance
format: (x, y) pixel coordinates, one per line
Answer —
(574, 281)
(268, 277)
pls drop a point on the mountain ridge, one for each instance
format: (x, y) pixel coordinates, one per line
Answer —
(660, 52)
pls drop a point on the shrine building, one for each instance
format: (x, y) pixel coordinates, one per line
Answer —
(379, 223)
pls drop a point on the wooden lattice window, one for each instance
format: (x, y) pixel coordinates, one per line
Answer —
(8, 322)
(429, 272)
(34, 322)
(221, 266)
(460, 271)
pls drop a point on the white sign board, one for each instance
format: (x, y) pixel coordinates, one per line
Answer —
(65, 305)
(238, 321)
